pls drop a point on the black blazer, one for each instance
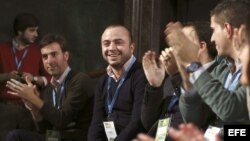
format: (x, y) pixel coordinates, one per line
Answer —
(76, 109)
(156, 103)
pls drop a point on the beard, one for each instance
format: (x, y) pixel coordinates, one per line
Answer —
(25, 41)
(117, 66)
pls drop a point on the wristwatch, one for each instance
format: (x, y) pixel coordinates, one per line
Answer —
(194, 66)
(35, 78)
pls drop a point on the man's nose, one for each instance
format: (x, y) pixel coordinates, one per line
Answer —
(112, 46)
(50, 59)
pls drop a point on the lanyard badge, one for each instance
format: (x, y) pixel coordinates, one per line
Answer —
(110, 130)
(211, 133)
(52, 135)
(162, 129)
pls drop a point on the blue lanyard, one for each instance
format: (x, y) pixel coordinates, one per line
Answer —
(112, 102)
(57, 96)
(172, 103)
(19, 63)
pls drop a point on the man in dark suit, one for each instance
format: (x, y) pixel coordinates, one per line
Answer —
(119, 93)
(64, 108)
(162, 96)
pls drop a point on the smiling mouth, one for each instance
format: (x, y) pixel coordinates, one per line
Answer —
(113, 55)
(51, 68)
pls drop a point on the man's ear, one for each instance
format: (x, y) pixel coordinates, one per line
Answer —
(19, 33)
(66, 55)
(228, 30)
(132, 46)
(203, 45)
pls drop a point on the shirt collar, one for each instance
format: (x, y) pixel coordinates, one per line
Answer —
(58, 82)
(14, 43)
(124, 68)
(207, 65)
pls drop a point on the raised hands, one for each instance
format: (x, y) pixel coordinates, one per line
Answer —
(168, 59)
(184, 48)
(239, 37)
(153, 68)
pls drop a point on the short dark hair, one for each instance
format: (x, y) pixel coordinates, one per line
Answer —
(204, 33)
(232, 11)
(119, 25)
(23, 21)
(54, 38)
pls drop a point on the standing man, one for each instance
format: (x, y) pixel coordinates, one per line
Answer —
(119, 93)
(19, 58)
(22, 57)
(64, 108)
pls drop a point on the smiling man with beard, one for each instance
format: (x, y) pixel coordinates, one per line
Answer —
(119, 93)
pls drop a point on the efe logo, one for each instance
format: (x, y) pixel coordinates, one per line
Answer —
(236, 132)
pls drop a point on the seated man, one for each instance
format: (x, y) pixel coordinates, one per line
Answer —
(119, 93)
(220, 89)
(64, 108)
(162, 96)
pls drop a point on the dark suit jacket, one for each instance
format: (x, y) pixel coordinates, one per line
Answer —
(156, 103)
(76, 108)
(127, 108)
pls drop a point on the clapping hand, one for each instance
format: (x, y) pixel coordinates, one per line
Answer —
(24, 91)
(153, 68)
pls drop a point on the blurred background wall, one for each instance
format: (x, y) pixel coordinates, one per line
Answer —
(83, 21)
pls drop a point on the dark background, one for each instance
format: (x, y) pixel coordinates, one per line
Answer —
(83, 21)
(80, 21)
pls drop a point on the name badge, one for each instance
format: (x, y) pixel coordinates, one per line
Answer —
(52, 135)
(211, 133)
(110, 130)
(162, 129)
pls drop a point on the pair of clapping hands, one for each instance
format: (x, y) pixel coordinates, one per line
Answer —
(23, 90)
(155, 67)
(181, 53)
